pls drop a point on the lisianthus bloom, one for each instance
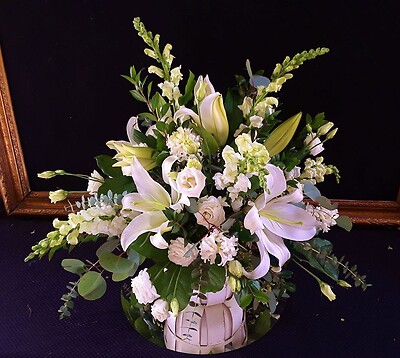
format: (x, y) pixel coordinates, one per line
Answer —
(181, 254)
(159, 310)
(273, 218)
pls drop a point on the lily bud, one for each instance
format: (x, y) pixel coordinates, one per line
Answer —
(47, 174)
(202, 89)
(327, 290)
(174, 305)
(325, 128)
(331, 134)
(58, 195)
(214, 119)
(232, 283)
(281, 136)
(343, 284)
(235, 268)
(126, 152)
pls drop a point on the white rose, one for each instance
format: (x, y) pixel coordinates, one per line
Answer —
(191, 182)
(143, 289)
(210, 211)
(159, 310)
(314, 144)
(177, 251)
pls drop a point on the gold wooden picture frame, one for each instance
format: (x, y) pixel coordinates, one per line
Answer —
(19, 199)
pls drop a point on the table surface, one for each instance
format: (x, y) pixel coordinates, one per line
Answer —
(356, 324)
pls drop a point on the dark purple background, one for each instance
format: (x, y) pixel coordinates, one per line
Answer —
(64, 60)
(310, 326)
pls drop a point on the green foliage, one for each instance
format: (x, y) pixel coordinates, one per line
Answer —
(117, 185)
(143, 246)
(68, 304)
(74, 266)
(344, 222)
(234, 114)
(188, 90)
(92, 286)
(172, 281)
(105, 163)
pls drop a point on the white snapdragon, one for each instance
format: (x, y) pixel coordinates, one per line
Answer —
(313, 143)
(315, 170)
(181, 254)
(326, 218)
(246, 106)
(210, 211)
(191, 182)
(266, 106)
(256, 121)
(170, 91)
(94, 185)
(183, 143)
(143, 288)
(176, 75)
(242, 185)
(159, 310)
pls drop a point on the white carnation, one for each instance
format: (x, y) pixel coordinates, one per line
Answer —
(208, 248)
(182, 254)
(227, 249)
(210, 211)
(159, 310)
(143, 289)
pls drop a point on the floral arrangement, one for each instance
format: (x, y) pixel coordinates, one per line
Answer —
(208, 193)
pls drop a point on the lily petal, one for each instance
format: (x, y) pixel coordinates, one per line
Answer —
(264, 264)
(150, 190)
(141, 224)
(275, 246)
(288, 221)
(130, 126)
(183, 111)
(252, 220)
(276, 182)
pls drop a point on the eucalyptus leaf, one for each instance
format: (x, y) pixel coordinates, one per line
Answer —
(92, 286)
(311, 190)
(73, 265)
(115, 263)
(344, 222)
(109, 246)
(325, 203)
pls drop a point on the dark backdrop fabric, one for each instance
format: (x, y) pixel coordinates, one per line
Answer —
(64, 60)
(356, 324)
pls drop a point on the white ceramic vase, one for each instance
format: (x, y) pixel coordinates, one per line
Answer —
(213, 325)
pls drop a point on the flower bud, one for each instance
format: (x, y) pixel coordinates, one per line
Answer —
(214, 119)
(72, 237)
(331, 134)
(174, 305)
(47, 174)
(327, 290)
(58, 195)
(325, 128)
(309, 128)
(235, 268)
(343, 284)
(158, 71)
(232, 283)
(202, 89)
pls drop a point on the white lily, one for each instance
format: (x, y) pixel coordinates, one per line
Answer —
(274, 218)
(150, 200)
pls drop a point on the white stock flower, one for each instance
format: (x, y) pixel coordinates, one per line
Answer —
(314, 144)
(210, 211)
(181, 254)
(94, 185)
(191, 182)
(183, 142)
(266, 106)
(227, 249)
(176, 75)
(143, 288)
(159, 310)
(237, 204)
(326, 218)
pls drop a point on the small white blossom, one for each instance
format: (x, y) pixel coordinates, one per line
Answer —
(143, 288)
(217, 243)
(326, 218)
(256, 122)
(246, 106)
(228, 249)
(183, 143)
(176, 75)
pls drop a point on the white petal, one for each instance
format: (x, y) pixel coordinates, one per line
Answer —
(158, 241)
(183, 111)
(288, 221)
(252, 220)
(294, 197)
(149, 189)
(276, 182)
(146, 222)
(275, 246)
(131, 125)
(167, 166)
(263, 266)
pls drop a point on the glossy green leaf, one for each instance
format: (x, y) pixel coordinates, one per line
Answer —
(214, 280)
(261, 326)
(105, 163)
(188, 90)
(117, 185)
(92, 286)
(143, 246)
